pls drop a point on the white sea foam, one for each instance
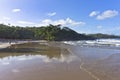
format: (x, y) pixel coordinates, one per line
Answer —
(4, 45)
(98, 42)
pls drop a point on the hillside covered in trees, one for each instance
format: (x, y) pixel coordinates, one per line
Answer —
(100, 35)
(50, 33)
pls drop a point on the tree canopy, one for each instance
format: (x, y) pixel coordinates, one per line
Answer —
(50, 33)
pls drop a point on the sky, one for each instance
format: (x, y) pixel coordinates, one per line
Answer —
(83, 16)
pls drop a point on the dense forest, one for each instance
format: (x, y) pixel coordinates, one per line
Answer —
(50, 33)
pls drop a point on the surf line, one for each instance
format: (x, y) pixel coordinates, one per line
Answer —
(82, 68)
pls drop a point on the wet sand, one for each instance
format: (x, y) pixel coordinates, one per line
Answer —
(101, 63)
(6, 43)
(57, 61)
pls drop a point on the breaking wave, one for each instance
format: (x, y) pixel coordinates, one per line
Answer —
(98, 42)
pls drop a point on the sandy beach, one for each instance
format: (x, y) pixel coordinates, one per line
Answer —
(7, 43)
(62, 69)
(58, 61)
(4, 45)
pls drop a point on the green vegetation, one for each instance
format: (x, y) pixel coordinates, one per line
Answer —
(100, 35)
(50, 33)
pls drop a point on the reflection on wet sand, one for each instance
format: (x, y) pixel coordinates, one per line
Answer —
(33, 61)
(36, 61)
(31, 49)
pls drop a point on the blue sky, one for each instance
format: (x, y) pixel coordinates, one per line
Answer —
(84, 16)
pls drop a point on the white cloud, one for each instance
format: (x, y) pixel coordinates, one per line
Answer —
(1, 22)
(6, 18)
(25, 22)
(107, 14)
(63, 22)
(99, 27)
(52, 14)
(16, 10)
(94, 13)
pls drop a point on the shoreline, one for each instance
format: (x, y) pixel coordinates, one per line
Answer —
(68, 60)
(7, 43)
(88, 59)
(4, 45)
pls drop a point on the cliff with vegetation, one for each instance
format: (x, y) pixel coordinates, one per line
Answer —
(50, 33)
